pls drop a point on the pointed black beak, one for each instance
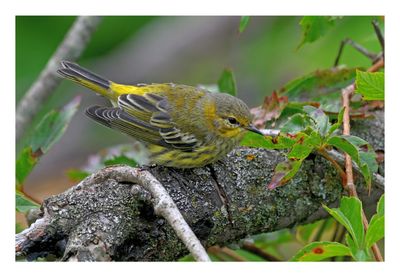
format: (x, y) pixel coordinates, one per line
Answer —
(253, 129)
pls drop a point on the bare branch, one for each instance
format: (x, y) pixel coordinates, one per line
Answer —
(70, 49)
(164, 206)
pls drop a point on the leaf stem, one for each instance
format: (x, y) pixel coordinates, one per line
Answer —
(325, 154)
(350, 187)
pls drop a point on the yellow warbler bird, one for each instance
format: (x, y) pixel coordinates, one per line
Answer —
(181, 126)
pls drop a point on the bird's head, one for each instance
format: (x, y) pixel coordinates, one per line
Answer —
(232, 116)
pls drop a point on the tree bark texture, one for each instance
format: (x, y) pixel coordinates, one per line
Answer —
(101, 219)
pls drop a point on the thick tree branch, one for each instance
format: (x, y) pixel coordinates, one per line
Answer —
(105, 218)
(163, 206)
(70, 49)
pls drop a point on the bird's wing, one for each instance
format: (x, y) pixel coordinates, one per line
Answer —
(145, 117)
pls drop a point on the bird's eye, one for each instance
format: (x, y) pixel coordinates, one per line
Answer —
(233, 121)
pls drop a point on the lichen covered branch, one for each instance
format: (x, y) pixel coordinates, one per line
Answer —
(106, 218)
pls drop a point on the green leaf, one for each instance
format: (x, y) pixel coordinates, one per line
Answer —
(52, 127)
(48, 131)
(227, 83)
(244, 21)
(77, 175)
(341, 143)
(317, 85)
(304, 146)
(371, 85)
(320, 250)
(120, 160)
(321, 120)
(380, 208)
(339, 123)
(275, 238)
(375, 231)
(187, 258)
(311, 232)
(314, 27)
(23, 204)
(295, 124)
(26, 161)
(357, 253)
(361, 153)
(284, 171)
(282, 141)
(290, 109)
(349, 215)
(248, 256)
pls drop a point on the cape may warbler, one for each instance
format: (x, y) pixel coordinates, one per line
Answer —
(180, 126)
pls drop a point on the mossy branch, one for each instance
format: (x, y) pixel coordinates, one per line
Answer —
(103, 218)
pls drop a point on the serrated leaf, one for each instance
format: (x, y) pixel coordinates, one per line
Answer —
(317, 85)
(227, 82)
(371, 85)
(320, 119)
(314, 27)
(295, 124)
(23, 204)
(244, 21)
(320, 250)
(361, 153)
(304, 146)
(120, 160)
(26, 161)
(349, 215)
(52, 127)
(375, 231)
(284, 171)
(282, 141)
(48, 131)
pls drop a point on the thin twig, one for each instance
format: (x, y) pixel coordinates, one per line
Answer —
(251, 247)
(356, 46)
(164, 206)
(70, 49)
(346, 96)
(379, 34)
(220, 252)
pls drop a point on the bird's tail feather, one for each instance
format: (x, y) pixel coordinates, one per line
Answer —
(84, 77)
